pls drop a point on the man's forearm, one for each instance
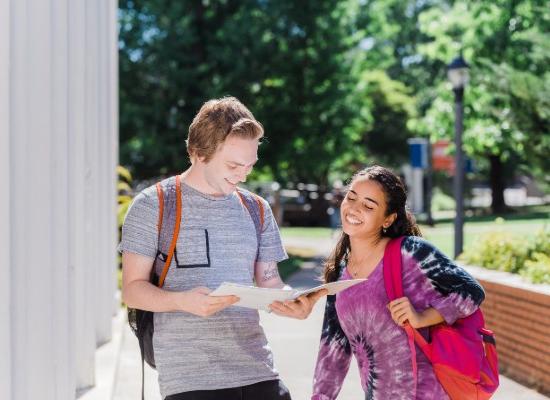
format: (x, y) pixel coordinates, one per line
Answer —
(267, 275)
(145, 296)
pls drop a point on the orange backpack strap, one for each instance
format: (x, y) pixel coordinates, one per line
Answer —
(160, 194)
(261, 208)
(175, 233)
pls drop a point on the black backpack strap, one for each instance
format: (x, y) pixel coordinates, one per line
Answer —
(142, 373)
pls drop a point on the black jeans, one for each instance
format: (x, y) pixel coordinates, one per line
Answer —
(268, 390)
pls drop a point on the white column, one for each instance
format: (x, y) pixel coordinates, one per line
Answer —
(62, 360)
(19, 256)
(112, 95)
(19, 173)
(5, 204)
(89, 146)
(58, 135)
(104, 196)
(34, 275)
(82, 322)
(92, 180)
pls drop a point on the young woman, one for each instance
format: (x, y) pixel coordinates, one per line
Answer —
(361, 320)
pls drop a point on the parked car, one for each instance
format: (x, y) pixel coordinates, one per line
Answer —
(306, 205)
(297, 205)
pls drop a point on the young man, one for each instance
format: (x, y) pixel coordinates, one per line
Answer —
(205, 349)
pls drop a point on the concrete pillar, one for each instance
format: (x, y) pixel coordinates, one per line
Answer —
(105, 173)
(5, 225)
(58, 135)
(32, 310)
(62, 360)
(112, 100)
(82, 325)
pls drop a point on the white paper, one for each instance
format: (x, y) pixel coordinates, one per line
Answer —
(261, 298)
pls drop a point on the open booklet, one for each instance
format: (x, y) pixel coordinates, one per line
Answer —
(261, 298)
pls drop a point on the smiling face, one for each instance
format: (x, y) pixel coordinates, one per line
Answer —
(363, 210)
(231, 164)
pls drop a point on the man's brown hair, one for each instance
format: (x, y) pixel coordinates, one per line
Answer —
(215, 121)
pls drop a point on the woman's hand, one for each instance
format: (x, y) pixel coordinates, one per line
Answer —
(402, 311)
(299, 308)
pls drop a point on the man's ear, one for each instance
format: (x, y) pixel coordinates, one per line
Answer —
(195, 159)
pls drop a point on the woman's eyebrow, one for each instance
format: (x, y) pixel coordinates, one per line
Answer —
(366, 198)
(369, 199)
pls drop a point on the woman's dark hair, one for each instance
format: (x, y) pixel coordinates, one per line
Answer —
(396, 202)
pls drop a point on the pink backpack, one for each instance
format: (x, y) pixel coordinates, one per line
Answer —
(463, 355)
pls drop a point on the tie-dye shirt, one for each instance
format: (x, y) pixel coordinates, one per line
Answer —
(357, 321)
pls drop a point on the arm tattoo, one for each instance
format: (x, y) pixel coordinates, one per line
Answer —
(271, 271)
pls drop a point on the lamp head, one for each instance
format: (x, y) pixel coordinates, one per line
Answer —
(458, 72)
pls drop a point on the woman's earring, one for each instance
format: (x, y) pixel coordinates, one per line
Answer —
(384, 230)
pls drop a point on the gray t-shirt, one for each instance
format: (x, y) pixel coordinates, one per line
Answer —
(217, 242)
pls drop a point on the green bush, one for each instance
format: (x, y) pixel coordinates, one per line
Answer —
(505, 251)
(498, 250)
(537, 270)
(125, 194)
(540, 242)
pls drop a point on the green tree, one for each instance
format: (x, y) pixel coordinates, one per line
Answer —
(506, 102)
(386, 108)
(286, 60)
(385, 81)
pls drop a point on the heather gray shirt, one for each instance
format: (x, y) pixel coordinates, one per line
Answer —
(217, 242)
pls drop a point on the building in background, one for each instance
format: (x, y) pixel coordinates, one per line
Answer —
(58, 152)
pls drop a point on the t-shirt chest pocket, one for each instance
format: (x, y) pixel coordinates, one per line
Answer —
(192, 249)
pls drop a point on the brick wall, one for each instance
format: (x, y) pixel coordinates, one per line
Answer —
(519, 314)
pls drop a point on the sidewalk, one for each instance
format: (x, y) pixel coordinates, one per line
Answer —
(294, 344)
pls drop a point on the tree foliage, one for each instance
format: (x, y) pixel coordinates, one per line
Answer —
(336, 84)
(286, 60)
(507, 106)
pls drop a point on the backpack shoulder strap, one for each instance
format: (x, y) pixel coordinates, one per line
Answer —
(160, 195)
(255, 206)
(393, 282)
(260, 210)
(169, 192)
(392, 269)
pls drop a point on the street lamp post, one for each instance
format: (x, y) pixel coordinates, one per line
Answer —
(458, 75)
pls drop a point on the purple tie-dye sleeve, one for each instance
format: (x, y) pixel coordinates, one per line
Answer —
(334, 356)
(430, 279)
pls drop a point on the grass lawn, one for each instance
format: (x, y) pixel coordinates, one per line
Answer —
(441, 235)
(298, 231)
